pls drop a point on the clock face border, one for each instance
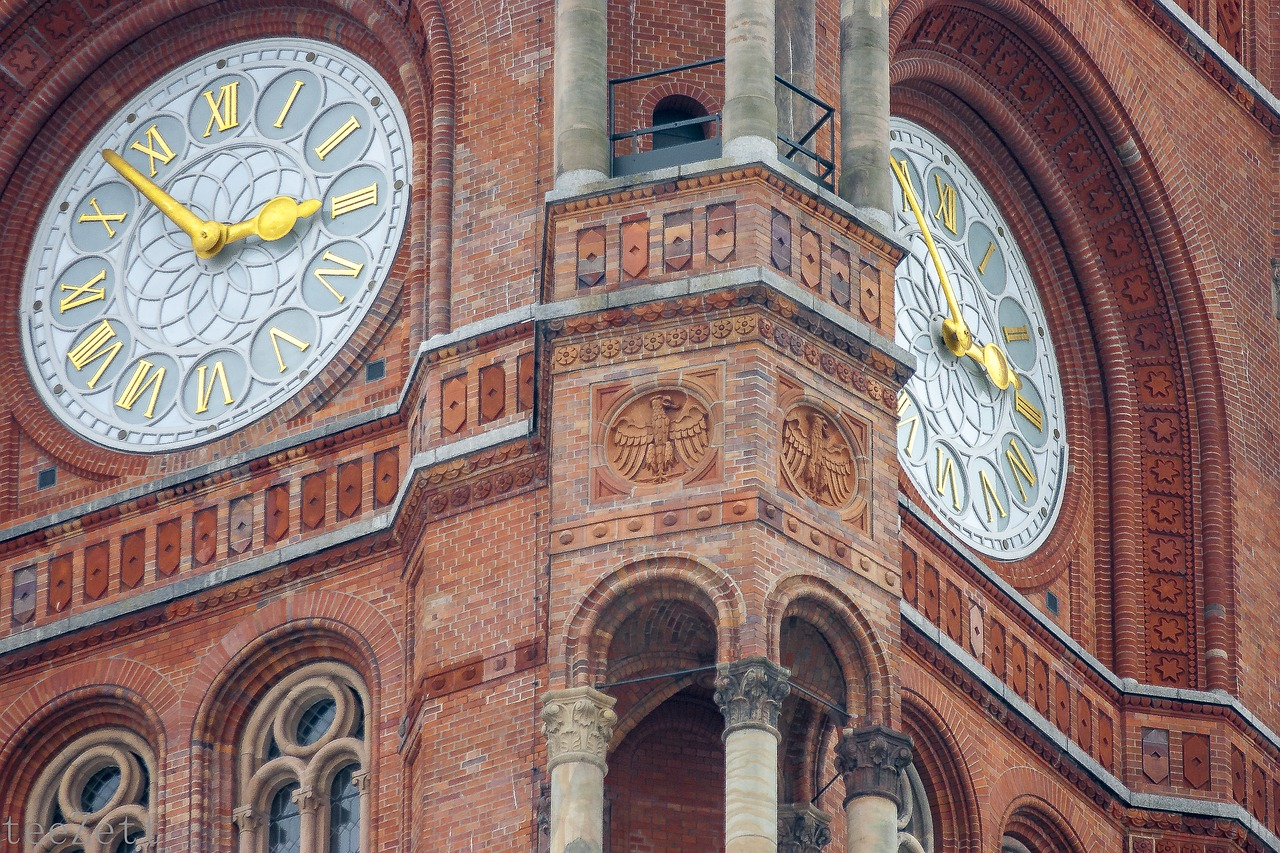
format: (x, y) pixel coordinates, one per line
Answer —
(373, 243)
(971, 438)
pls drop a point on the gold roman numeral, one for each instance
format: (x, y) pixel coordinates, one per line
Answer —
(990, 497)
(914, 421)
(95, 346)
(354, 200)
(224, 110)
(947, 478)
(145, 375)
(906, 178)
(1016, 333)
(1021, 469)
(982, 267)
(1028, 410)
(348, 269)
(105, 218)
(82, 294)
(204, 390)
(288, 105)
(946, 213)
(335, 139)
(278, 335)
(153, 138)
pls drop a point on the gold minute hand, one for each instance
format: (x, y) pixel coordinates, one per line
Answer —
(206, 236)
(955, 334)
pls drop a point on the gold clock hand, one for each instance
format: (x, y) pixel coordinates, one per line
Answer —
(276, 219)
(206, 236)
(955, 334)
(993, 360)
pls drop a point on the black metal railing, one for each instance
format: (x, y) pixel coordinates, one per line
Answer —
(635, 151)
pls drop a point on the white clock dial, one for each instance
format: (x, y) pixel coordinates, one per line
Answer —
(143, 335)
(990, 461)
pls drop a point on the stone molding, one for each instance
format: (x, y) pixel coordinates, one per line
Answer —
(803, 828)
(578, 725)
(871, 760)
(750, 693)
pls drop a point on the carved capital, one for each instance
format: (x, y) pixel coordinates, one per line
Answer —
(306, 800)
(750, 693)
(871, 760)
(578, 724)
(802, 828)
(247, 819)
(361, 780)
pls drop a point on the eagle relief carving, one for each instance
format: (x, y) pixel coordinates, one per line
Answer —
(816, 457)
(658, 437)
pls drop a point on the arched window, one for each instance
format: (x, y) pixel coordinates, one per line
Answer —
(96, 793)
(302, 780)
(670, 115)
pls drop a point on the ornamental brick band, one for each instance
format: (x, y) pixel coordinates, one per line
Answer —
(750, 693)
(578, 724)
(871, 760)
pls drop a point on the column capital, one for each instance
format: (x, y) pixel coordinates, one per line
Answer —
(306, 799)
(870, 760)
(750, 693)
(246, 818)
(578, 724)
(803, 828)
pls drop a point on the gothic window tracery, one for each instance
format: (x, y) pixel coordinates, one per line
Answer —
(302, 777)
(94, 797)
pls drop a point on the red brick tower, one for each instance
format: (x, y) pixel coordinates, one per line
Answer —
(589, 426)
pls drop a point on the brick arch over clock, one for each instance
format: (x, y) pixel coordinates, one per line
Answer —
(1034, 118)
(77, 71)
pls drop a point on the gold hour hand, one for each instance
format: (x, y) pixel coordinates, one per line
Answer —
(993, 360)
(955, 333)
(206, 236)
(276, 219)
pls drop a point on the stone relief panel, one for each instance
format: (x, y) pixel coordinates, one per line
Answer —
(823, 456)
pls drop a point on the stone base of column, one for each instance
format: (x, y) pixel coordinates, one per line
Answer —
(573, 182)
(751, 149)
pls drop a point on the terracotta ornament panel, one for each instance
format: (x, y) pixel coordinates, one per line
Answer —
(658, 437)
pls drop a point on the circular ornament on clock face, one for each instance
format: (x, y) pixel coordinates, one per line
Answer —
(981, 432)
(216, 245)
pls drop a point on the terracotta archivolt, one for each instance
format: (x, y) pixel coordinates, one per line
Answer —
(945, 773)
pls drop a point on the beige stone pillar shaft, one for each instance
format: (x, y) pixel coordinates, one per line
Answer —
(750, 113)
(578, 724)
(750, 693)
(872, 760)
(864, 107)
(581, 92)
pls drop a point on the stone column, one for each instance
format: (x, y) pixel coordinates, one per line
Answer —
(750, 114)
(803, 828)
(750, 693)
(864, 108)
(581, 93)
(247, 819)
(308, 803)
(871, 760)
(794, 46)
(578, 723)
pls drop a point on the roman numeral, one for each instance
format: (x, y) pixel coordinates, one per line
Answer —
(914, 421)
(1028, 410)
(990, 497)
(145, 375)
(95, 346)
(224, 110)
(354, 200)
(904, 177)
(278, 335)
(335, 139)
(1021, 469)
(204, 390)
(288, 105)
(348, 269)
(105, 218)
(1016, 333)
(982, 267)
(82, 294)
(153, 138)
(946, 204)
(947, 478)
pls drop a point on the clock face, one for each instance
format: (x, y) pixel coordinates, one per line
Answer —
(990, 461)
(216, 244)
